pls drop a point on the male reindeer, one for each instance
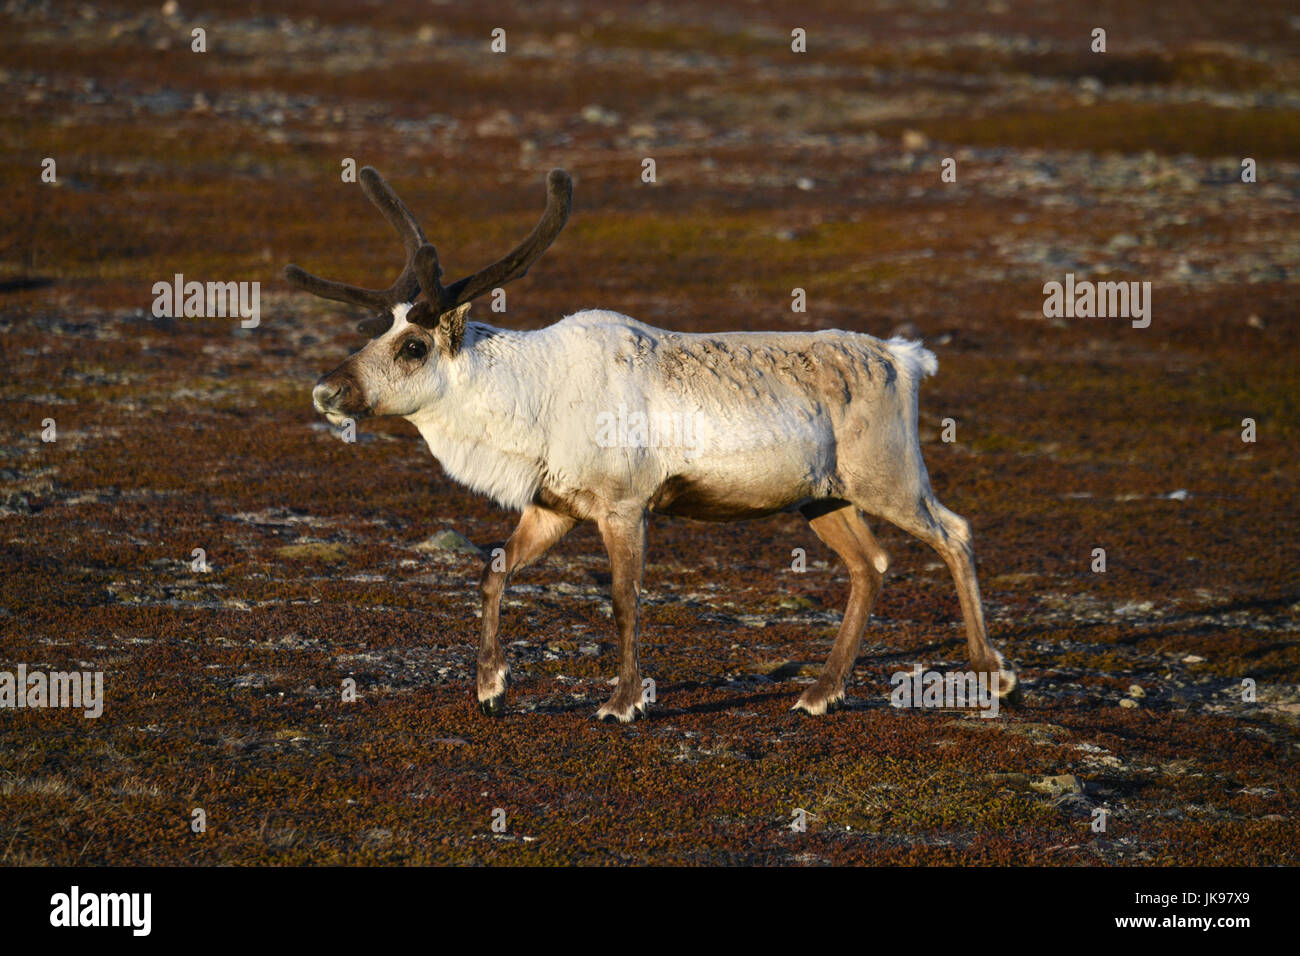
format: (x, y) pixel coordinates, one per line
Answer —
(819, 422)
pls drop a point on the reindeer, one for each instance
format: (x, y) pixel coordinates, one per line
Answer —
(823, 423)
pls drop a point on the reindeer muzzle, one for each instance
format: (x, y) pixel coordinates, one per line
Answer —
(338, 395)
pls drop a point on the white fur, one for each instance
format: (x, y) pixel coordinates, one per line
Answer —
(796, 414)
(919, 360)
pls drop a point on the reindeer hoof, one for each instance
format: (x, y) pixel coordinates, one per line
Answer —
(613, 713)
(492, 694)
(1009, 688)
(817, 706)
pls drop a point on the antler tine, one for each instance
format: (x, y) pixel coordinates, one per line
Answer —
(394, 210)
(379, 300)
(407, 286)
(559, 202)
(429, 271)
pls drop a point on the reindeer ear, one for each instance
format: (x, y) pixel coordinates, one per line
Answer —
(451, 329)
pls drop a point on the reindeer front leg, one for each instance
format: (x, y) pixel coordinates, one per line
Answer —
(624, 535)
(539, 529)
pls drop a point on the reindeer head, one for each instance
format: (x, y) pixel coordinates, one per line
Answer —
(420, 322)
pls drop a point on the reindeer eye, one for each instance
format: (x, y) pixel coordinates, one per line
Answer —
(414, 349)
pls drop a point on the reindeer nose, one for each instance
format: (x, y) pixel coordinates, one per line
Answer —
(328, 395)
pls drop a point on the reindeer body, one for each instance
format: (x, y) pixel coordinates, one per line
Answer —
(824, 423)
(779, 418)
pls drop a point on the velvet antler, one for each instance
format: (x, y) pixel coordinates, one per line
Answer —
(407, 286)
(422, 271)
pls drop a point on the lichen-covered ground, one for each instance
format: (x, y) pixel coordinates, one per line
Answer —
(775, 170)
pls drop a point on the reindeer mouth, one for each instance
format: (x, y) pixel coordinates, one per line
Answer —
(338, 419)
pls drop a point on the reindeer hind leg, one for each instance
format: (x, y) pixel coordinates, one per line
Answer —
(846, 533)
(950, 535)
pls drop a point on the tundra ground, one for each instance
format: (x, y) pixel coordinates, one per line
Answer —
(775, 170)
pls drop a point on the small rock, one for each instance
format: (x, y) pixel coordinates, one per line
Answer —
(1057, 785)
(1135, 690)
(597, 114)
(914, 140)
(15, 504)
(1193, 659)
(1128, 703)
(1075, 804)
(448, 540)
